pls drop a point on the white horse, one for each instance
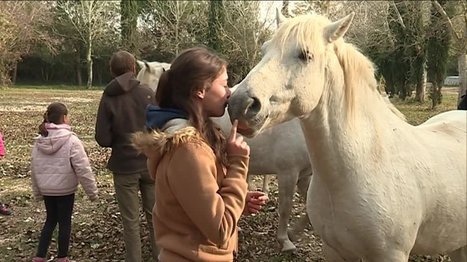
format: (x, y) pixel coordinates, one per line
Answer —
(280, 150)
(150, 72)
(382, 188)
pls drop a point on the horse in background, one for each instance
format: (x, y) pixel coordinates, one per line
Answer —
(150, 72)
(382, 188)
(280, 151)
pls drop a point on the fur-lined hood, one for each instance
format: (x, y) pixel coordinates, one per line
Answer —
(156, 143)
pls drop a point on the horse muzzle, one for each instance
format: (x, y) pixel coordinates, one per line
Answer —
(246, 109)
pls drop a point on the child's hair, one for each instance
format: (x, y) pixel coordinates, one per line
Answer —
(122, 62)
(54, 114)
(193, 70)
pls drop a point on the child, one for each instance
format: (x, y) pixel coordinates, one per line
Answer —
(58, 163)
(201, 188)
(3, 207)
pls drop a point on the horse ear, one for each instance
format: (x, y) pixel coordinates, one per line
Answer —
(140, 63)
(280, 18)
(337, 29)
(148, 68)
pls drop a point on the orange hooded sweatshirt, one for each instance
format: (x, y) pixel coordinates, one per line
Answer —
(198, 201)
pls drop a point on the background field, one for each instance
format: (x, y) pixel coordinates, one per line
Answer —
(97, 234)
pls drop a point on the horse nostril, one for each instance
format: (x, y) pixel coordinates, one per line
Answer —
(254, 107)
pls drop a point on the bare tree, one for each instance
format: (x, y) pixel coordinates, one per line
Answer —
(242, 35)
(21, 27)
(90, 21)
(176, 25)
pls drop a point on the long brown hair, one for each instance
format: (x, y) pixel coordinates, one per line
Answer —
(55, 114)
(193, 70)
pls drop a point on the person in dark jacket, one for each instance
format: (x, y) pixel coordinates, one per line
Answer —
(463, 103)
(122, 112)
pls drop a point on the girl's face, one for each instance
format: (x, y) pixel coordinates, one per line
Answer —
(214, 99)
(66, 119)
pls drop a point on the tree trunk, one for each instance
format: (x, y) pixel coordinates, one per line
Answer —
(215, 24)
(421, 88)
(14, 73)
(435, 95)
(89, 63)
(462, 67)
(129, 18)
(79, 78)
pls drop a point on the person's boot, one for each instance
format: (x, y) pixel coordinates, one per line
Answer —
(4, 210)
(64, 259)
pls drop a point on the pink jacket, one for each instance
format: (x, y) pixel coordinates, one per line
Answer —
(59, 162)
(2, 146)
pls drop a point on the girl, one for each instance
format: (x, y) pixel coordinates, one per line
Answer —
(58, 163)
(4, 210)
(200, 176)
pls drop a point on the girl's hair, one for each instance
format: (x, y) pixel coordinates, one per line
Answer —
(54, 114)
(193, 70)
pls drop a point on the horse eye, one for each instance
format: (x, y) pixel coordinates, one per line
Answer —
(305, 55)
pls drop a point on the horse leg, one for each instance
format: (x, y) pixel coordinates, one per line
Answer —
(266, 179)
(302, 186)
(250, 182)
(286, 182)
(459, 255)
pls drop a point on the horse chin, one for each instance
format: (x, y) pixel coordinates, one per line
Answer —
(250, 130)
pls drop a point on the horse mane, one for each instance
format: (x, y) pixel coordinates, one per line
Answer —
(358, 69)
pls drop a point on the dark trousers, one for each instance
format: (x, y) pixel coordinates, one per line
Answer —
(59, 210)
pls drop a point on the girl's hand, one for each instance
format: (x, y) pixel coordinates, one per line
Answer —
(255, 200)
(235, 143)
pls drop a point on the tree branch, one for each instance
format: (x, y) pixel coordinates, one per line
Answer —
(399, 17)
(443, 13)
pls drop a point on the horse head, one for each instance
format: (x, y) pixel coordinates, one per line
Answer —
(150, 72)
(289, 80)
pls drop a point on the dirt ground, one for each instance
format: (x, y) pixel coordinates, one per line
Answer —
(97, 233)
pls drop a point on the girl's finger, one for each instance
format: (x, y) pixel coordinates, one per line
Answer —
(233, 131)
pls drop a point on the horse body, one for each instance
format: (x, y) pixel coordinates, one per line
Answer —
(364, 203)
(280, 150)
(381, 188)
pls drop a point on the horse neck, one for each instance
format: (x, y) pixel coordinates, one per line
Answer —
(339, 142)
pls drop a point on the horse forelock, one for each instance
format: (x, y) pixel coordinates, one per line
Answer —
(303, 29)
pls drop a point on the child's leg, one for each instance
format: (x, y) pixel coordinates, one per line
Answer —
(65, 206)
(49, 225)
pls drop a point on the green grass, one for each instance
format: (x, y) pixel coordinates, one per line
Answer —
(417, 112)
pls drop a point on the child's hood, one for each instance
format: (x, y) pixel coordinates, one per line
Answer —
(157, 117)
(57, 137)
(156, 143)
(121, 84)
